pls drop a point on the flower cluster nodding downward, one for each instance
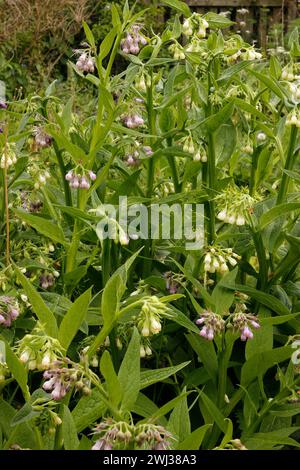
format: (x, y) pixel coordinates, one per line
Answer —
(195, 24)
(8, 157)
(211, 323)
(293, 119)
(243, 322)
(234, 205)
(132, 120)
(79, 178)
(3, 104)
(85, 62)
(148, 320)
(9, 310)
(42, 139)
(136, 152)
(119, 435)
(133, 41)
(60, 378)
(219, 259)
(39, 351)
(177, 51)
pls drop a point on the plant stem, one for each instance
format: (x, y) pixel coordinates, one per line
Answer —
(289, 163)
(6, 201)
(255, 156)
(173, 168)
(212, 185)
(62, 168)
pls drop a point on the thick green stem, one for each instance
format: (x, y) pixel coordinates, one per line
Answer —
(289, 163)
(212, 185)
(62, 168)
(173, 168)
(262, 259)
(254, 170)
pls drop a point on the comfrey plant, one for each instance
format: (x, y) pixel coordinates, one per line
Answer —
(194, 117)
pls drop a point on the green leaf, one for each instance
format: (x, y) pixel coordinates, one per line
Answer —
(107, 42)
(150, 377)
(166, 408)
(115, 17)
(259, 363)
(17, 370)
(265, 299)
(179, 6)
(229, 433)
(178, 317)
(89, 35)
(77, 154)
(88, 410)
(270, 83)
(277, 211)
(129, 373)
(212, 123)
(43, 226)
(179, 422)
(206, 353)
(73, 319)
(39, 307)
(111, 379)
(69, 432)
(269, 440)
(214, 412)
(26, 413)
(217, 21)
(194, 440)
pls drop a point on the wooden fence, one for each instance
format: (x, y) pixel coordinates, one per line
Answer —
(259, 19)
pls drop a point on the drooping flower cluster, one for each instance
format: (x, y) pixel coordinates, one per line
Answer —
(141, 83)
(234, 205)
(211, 323)
(119, 435)
(42, 139)
(219, 259)
(39, 351)
(243, 322)
(137, 152)
(288, 74)
(132, 120)
(251, 54)
(195, 24)
(3, 104)
(177, 51)
(148, 320)
(8, 157)
(133, 41)
(85, 62)
(79, 178)
(41, 179)
(61, 378)
(293, 119)
(47, 280)
(9, 310)
(173, 281)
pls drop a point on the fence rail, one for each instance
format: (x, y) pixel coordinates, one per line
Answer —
(262, 16)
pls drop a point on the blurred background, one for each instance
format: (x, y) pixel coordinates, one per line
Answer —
(37, 37)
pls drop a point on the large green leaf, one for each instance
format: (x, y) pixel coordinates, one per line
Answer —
(17, 370)
(179, 421)
(43, 226)
(277, 211)
(88, 410)
(73, 319)
(150, 377)
(111, 379)
(69, 431)
(194, 440)
(39, 307)
(129, 373)
(259, 363)
(179, 6)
